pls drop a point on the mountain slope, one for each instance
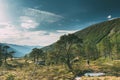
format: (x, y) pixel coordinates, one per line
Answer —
(98, 34)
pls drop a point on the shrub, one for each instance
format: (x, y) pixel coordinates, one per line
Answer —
(10, 77)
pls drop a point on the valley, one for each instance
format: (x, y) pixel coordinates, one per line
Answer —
(91, 50)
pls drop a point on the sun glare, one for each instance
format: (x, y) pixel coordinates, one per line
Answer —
(3, 13)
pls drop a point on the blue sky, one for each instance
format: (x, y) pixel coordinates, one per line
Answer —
(42, 22)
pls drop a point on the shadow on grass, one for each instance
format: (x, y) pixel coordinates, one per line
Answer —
(111, 70)
(12, 66)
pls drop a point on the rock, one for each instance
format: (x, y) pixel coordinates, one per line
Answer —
(77, 78)
(94, 74)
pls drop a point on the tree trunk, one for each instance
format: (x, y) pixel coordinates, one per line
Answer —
(37, 58)
(34, 59)
(5, 59)
(68, 58)
(69, 65)
(6, 56)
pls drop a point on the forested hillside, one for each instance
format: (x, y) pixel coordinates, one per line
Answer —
(99, 40)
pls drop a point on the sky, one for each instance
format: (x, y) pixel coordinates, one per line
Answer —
(42, 22)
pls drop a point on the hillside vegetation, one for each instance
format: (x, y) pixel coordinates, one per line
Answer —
(102, 39)
(99, 31)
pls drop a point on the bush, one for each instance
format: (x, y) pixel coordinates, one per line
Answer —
(10, 77)
(115, 69)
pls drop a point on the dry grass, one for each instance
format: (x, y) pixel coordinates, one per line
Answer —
(35, 72)
(29, 71)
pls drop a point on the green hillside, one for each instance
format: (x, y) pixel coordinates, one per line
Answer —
(98, 43)
(99, 31)
(102, 39)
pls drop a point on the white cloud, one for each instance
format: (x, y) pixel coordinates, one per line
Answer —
(31, 38)
(13, 34)
(27, 22)
(3, 13)
(42, 16)
(10, 34)
(109, 16)
(17, 34)
(4, 23)
(66, 31)
(38, 38)
(8, 31)
(33, 17)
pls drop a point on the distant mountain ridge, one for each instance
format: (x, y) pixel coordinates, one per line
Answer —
(20, 50)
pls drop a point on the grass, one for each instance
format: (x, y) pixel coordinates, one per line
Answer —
(34, 72)
(20, 70)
